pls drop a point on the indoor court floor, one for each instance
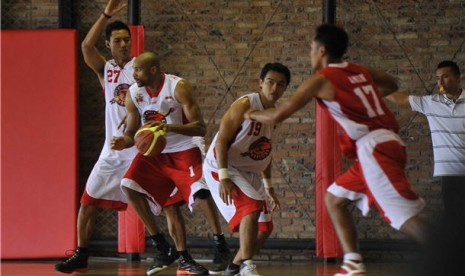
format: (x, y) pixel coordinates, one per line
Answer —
(119, 267)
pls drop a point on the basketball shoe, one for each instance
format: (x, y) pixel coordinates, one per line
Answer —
(351, 268)
(77, 262)
(222, 255)
(248, 269)
(231, 271)
(165, 255)
(188, 266)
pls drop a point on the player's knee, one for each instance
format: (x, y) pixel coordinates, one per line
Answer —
(202, 194)
(332, 201)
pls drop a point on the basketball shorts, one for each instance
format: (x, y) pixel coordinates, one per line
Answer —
(103, 188)
(251, 197)
(159, 176)
(378, 177)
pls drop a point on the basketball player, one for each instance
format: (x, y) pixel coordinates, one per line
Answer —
(240, 156)
(352, 95)
(168, 102)
(103, 185)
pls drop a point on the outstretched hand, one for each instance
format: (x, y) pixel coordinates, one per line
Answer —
(114, 6)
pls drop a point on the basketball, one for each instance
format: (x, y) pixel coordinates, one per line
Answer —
(150, 141)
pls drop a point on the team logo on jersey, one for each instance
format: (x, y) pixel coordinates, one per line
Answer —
(119, 96)
(139, 98)
(260, 149)
(153, 115)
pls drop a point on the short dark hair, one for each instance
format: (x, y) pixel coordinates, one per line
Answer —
(452, 65)
(333, 38)
(277, 67)
(115, 26)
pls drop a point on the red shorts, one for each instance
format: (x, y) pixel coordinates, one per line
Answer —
(378, 177)
(158, 176)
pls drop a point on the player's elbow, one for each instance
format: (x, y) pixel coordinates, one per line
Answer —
(85, 47)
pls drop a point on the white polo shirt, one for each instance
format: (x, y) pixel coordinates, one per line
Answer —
(447, 125)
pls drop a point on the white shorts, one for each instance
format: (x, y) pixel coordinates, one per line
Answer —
(379, 177)
(103, 187)
(251, 197)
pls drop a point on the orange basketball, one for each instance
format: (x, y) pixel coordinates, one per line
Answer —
(150, 141)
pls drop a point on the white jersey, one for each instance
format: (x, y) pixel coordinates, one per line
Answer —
(447, 124)
(162, 106)
(117, 81)
(251, 149)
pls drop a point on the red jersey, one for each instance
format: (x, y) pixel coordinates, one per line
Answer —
(357, 107)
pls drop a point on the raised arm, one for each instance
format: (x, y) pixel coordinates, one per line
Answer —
(185, 96)
(92, 57)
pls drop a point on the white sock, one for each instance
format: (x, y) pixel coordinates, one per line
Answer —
(353, 256)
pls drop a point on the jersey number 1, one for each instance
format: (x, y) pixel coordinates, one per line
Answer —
(362, 92)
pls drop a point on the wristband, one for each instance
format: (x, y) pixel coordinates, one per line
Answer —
(267, 183)
(106, 15)
(223, 173)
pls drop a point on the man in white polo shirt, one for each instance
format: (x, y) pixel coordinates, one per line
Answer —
(446, 117)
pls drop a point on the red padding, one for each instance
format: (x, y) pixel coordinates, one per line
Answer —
(131, 231)
(38, 143)
(328, 167)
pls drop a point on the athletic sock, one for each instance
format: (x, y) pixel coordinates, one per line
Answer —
(184, 254)
(233, 266)
(158, 239)
(353, 256)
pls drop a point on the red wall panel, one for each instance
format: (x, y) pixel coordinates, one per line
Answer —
(38, 143)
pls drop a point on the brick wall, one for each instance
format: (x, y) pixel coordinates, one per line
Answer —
(220, 47)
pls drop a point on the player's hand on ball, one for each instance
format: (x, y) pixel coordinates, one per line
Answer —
(159, 125)
(227, 189)
(118, 143)
(272, 199)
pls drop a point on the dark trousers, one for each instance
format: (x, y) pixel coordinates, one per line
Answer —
(445, 250)
(453, 196)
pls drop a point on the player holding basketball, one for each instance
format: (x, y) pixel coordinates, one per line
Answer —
(240, 156)
(352, 95)
(168, 102)
(103, 185)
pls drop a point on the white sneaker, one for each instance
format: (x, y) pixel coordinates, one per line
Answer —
(248, 269)
(351, 268)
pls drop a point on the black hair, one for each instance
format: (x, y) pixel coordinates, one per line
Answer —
(115, 26)
(452, 65)
(333, 38)
(277, 67)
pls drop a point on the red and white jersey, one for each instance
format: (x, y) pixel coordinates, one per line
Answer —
(117, 81)
(357, 107)
(162, 106)
(251, 147)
